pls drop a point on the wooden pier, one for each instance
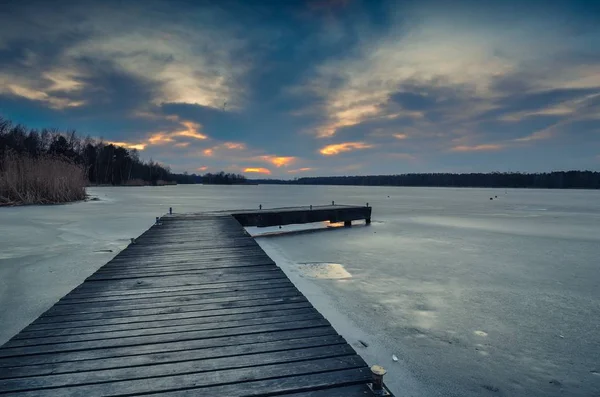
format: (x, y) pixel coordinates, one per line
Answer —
(194, 308)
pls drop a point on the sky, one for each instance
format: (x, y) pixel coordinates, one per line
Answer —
(287, 89)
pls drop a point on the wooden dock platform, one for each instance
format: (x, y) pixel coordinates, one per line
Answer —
(194, 308)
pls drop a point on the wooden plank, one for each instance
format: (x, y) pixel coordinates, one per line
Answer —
(154, 282)
(171, 266)
(207, 308)
(155, 303)
(150, 339)
(204, 379)
(331, 384)
(204, 274)
(166, 317)
(176, 296)
(179, 368)
(168, 357)
(223, 290)
(165, 347)
(213, 287)
(175, 328)
(148, 325)
(360, 390)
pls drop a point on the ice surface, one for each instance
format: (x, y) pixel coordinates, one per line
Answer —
(474, 297)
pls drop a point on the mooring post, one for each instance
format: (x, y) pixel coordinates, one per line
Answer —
(378, 371)
(367, 205)
(368, 221)
(260, 207)
(157, 219)
(133, 240)
(311, 207)
(332, 202)
(170, 210)
(347, 223)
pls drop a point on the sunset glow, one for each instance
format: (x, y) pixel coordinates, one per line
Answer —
(477, 148)
(234, 145)
(332, 150)
(259, 170)
(126, 145)
(304, 169)
(423, 89)
(279, 161)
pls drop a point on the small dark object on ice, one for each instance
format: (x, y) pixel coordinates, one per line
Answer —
(365, 344)
(555, 382)
(491, 198)
(491, 388)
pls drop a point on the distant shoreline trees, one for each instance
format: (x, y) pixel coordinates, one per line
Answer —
(546, 180)
(70, 163)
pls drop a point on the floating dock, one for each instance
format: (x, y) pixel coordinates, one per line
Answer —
(193, 308)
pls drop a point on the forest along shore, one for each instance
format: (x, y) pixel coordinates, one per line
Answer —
(48, 166)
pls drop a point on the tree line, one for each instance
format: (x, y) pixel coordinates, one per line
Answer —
(545, 180)
(220, 178)
(104, 163)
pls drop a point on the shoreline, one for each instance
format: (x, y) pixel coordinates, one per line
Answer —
(377, 352)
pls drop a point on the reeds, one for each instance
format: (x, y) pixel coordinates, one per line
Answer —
(40, 180)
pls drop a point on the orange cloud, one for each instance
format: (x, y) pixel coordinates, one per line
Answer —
(400, 136)
(182, 144)
(234, 145)
(203, 168)
(477, 148)
(258, 170)
(347, 118)
(208, 152)
(305, 169)
(191, 130)
(332, 150)
(279, 161)
(126, 145)
(159, 139)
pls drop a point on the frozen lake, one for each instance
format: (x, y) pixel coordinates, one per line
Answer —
(473, 296)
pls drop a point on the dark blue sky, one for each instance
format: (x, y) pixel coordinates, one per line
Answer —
(314, 87)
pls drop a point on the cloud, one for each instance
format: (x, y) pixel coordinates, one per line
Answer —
(182, 144)
(278, 161)
(477, 148)
(160, 138)
(335, 149)
(126, 145)
(234, 145)
(191, 131)
(49, 93)
(197, 56)
(208, 152)
(536, 136)
(258, 170)
(303, 169)
(202, 169)
(400, 136)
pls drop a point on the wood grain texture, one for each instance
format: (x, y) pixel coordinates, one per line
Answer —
(195, 307)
